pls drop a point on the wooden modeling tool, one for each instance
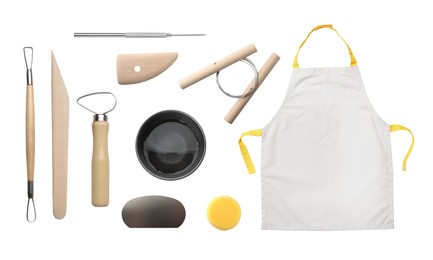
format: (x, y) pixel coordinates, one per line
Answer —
(60, 128)
(136, 68)
(30, 135)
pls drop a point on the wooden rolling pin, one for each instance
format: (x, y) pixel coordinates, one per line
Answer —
(217, 66)
(241, 103)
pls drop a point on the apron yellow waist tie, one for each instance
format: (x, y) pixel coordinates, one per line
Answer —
(250, 165)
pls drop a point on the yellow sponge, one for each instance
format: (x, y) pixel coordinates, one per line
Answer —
(224, 212)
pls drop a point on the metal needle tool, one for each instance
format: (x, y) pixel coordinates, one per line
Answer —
(136, 34)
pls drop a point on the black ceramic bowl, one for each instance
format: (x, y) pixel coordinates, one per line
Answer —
(170, 145)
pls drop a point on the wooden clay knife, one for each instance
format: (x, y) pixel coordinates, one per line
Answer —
(60, 126)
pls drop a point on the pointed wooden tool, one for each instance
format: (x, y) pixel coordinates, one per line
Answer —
(60, 125)
(136, 68)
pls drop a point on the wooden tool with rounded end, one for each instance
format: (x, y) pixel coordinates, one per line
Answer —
(136, 68)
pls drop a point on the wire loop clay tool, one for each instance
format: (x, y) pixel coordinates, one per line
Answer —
(216, 67)
(30, 135)
(100, 162)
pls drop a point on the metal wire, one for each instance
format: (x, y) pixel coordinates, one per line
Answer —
(98, 93)
(31, 219)
(251, 90)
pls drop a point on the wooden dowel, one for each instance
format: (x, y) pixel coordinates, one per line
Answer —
(242, 102)
(216, 66)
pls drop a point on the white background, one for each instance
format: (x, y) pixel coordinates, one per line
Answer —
(390, 39)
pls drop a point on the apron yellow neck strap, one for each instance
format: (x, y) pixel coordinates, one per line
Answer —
(329, 26)
(394, 128)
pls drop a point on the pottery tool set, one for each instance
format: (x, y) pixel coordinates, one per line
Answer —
(170, 145)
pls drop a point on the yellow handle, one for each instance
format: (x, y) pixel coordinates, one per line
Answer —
(394, 128)
(329, 26)
(100, 164)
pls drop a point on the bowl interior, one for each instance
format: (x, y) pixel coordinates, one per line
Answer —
(170, 145)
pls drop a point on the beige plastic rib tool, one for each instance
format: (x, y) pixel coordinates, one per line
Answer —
(216, 67)
(136, 68)
(60, 129)
(30, 135)
(100, 160)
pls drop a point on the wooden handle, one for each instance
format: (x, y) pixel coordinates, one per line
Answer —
(242, 102)
(100, 164)
(216, 66)
(30, 133)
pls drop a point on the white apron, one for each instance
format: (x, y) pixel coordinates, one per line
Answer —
(326, 155)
